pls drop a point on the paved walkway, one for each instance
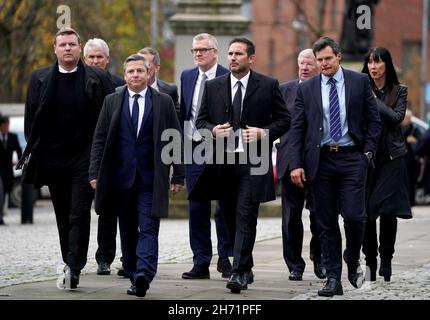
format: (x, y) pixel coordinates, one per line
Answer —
(30, 256)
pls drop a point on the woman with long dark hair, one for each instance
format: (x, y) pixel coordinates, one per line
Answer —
(387, 186)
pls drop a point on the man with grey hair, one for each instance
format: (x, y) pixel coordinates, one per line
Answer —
(293, 198)
(96, 53)
(205, 52)
(127, 172)
(153, 58)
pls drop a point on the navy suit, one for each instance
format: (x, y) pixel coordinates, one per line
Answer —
(200, 211)
(293, 199)
(337, 179)
(132, 180)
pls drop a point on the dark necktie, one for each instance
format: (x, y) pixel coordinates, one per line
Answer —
(335, 125)
(4, 141)
(135, 112)
(236, 114)
(199, 99)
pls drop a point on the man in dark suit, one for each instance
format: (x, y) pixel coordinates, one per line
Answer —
(293, 197)
(333, 137)
(246, 108)
(128, 172)
(205, 53)
(61, 112)
(96, 53)
(154, 61)
(9, 145)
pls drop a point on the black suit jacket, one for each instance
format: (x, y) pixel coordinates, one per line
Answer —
(116, 81)
(105, 142)
(172, 90)
(363, 120)
(263, 107)
(289, 92)
(6, 169)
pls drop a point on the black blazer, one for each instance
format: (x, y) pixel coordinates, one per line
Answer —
(105, 142)
(289, 92)
(41, 92)
(307, 124)
(6, 169)
(263, 107)
(172, 90)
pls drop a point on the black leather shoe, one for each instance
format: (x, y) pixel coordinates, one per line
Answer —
(132, 290)
(235, 283)
(332, 287)
(247, 278)
(385, 269)
(197, 272)
(74, 279)
(319, 270)
(142, 285)
(295, 275)
(224, 266)
(355, 274)
(103, 269)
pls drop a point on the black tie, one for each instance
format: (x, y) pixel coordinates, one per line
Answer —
(4, 141)
(237, 104)
(135, 112)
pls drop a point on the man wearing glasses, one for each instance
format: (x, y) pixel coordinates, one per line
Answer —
(205, 53)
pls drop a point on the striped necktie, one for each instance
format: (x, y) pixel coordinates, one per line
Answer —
(335, 125)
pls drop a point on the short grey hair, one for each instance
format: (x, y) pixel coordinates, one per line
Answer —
(206, 36)
(96, 43)
(136, 57)
(152, 52)
(306, 53)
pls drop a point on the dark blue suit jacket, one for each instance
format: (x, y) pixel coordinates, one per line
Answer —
(364, 123)
(289, 92)
(188, 82)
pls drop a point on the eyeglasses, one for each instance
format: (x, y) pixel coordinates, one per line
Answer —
(202, 50)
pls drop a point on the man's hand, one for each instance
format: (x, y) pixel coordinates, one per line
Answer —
(298, 177)
(252, 134)
(176, 188)
(93, 184)
(222, 130)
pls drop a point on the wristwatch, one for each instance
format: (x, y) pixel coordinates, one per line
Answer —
(369, 155)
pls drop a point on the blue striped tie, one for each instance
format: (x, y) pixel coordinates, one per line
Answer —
(335, 125)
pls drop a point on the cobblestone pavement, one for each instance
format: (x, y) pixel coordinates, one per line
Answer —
(31, 253)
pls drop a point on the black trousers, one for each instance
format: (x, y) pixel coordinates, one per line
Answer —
(72, 196)
(293, 200)
(240, 213)
(106, 238)
(339, 188)
(387, 238)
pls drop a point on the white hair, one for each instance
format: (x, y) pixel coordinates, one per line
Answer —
(307, 53)
(96, 43)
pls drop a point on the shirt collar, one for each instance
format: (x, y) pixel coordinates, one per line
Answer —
(210, 74)
(338, 76)
(62, 70)
(244, 80)
(132, 93)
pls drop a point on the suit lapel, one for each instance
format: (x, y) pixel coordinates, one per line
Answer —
(147, 111)
(317, 95)
(155, 104)
(193, 80)
(126, 105)
(348, 89)
(253, 84)
(225, 92)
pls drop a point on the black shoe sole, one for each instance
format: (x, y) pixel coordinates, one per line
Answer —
(103, 273)
(330, 294)
(234, 287)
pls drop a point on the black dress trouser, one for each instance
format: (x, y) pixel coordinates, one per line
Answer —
(72, 196)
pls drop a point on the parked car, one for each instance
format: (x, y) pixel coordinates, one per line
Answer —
(17, 127)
